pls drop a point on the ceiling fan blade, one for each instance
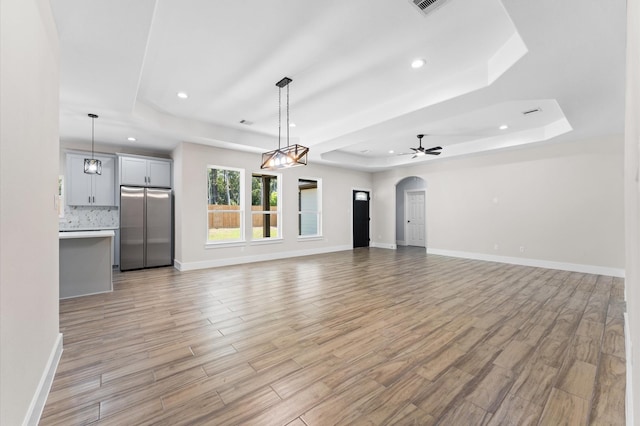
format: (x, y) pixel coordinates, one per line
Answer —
(421, 151)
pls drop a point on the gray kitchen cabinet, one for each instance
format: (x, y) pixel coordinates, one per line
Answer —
(84, 189)
(145, 171)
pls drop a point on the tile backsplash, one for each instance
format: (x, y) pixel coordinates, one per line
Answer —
(89, 217)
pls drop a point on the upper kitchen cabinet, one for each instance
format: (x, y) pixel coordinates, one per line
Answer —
(145, 171)
(87, 189)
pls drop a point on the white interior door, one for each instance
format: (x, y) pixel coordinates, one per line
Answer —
(415, 220)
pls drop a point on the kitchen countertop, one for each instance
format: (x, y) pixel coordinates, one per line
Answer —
(87, 228)
(86, 234)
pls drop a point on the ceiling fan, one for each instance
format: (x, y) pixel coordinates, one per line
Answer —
(420, 151)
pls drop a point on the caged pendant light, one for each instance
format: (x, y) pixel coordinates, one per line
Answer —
(92, 166)
(292, 155)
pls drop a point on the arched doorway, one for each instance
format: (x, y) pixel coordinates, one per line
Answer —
(411, 212)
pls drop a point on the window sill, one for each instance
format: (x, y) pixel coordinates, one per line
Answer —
(266, 241)
(221, 244)
(311, 238)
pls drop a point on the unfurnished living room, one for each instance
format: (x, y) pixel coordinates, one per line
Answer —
(411, 212)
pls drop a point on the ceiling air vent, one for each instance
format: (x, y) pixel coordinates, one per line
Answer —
(531, 111)
(428, 6)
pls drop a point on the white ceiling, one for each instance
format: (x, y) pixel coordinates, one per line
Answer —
(354, 96)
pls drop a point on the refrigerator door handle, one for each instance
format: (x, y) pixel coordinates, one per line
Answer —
(144, 230)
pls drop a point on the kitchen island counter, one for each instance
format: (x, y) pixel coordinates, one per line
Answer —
(67, 234)
(85, 262)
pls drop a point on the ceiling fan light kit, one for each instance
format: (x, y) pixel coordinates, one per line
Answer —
(292, 155)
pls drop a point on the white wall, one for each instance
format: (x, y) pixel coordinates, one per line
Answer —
(190, 179)
(562, 202)
(29, 338)
(632, 207)
(178, 185)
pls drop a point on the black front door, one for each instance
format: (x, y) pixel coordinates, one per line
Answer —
(360, 219)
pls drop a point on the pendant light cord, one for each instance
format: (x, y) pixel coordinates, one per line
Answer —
(93, 121)
(279, 115)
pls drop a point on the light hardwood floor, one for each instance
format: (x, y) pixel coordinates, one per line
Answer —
(369, 336)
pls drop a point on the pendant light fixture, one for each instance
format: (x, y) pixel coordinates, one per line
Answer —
(91, 165)
(292, 155)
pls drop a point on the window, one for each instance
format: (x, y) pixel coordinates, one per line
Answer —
(309, 207)
(265, 206)
(225, 209)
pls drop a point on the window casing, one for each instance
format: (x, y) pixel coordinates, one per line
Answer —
(265, 207)
(309, 207)
(225, 206)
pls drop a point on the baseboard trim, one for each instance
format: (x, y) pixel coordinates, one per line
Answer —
(190, 266)
(89, 294)
(42, 392)
(384, 245)
(573, 267)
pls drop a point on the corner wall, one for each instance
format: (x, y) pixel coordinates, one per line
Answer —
(632, 210)
(30, 342)
(190, 179)
(559, 203)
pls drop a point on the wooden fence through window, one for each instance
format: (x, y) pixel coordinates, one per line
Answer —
(229, 219)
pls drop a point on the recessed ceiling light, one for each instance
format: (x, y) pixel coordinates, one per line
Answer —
(504, 127)
(292, 124)
(391, 151)
(182, 95)
(418, 63)
(131, 139)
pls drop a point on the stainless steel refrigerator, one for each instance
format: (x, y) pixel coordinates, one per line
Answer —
(146, 227)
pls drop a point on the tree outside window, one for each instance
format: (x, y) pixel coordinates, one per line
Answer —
(265, 206)
(224, 207)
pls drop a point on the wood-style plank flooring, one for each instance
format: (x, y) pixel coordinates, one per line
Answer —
(361, 337)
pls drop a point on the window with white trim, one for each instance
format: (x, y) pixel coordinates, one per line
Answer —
(265, 207)
(309, 207)
(225, 210)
